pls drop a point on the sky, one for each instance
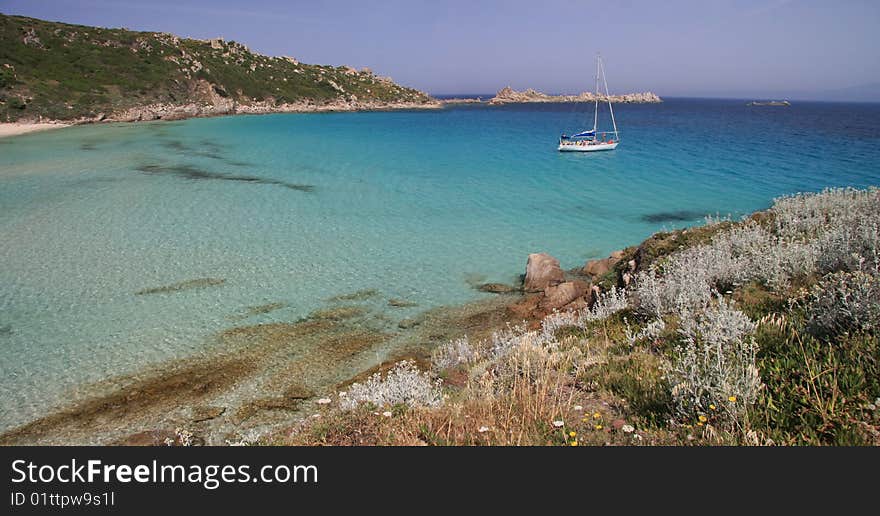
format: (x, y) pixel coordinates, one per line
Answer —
(708, 48)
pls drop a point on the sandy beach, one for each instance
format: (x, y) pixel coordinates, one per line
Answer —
(16, 128)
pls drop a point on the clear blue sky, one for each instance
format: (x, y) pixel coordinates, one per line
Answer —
(724, 48)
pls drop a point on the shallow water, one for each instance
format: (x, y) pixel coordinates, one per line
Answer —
(124, 245)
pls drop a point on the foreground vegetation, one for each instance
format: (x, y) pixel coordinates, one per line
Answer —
(760, 331)
(58, 71)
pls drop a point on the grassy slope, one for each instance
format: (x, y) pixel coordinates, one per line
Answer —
(61, 71)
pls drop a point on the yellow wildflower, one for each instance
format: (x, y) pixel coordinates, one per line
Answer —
(712, 406)
(700, 423)
(702, 418)
(574, 443)
(598, 427)
(732, 399)
(596, 415)
(572, 434)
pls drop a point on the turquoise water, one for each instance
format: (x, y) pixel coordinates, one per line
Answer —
(296, 209)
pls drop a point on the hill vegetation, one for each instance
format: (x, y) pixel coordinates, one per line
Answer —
(58, 71)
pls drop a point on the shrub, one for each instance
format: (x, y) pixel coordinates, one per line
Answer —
(453, 354)
(809, 214)
(404, 384)
(715, 366)
(504, 341)
(606, 305)
(845, 302)
(16, 103)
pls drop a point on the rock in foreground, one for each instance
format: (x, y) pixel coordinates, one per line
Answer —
(542, 271)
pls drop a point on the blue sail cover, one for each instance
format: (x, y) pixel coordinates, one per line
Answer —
(585, 133)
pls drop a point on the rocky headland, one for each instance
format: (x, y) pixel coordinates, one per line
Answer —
(57, 72)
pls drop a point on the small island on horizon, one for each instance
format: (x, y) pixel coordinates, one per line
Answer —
(769, 103)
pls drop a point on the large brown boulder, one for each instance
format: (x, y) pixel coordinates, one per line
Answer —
(557, 296)
(599, 268)
(542, 271)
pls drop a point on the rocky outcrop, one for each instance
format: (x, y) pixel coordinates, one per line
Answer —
(559, 296)
(547, 290)
(509, 96)
(229, 107)
(598, 268)
(542, 271)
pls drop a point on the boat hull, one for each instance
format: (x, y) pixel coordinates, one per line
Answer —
(588, 148)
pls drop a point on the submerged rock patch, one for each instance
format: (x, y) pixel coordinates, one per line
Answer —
(359, 295)
(672, 216)
(161, 392)
(258, 310)
(339, 313)
(497, 288)
(401, 303)
(191, 172)
(183, 285)
(176, 145)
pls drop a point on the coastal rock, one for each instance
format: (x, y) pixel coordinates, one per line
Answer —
(496, 288)
(526, 308)
(558, 296)
(598, 268)
(542, 271)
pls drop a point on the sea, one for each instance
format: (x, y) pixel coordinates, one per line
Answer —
(123, 246)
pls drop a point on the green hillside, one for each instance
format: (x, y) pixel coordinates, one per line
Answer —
(63, 72)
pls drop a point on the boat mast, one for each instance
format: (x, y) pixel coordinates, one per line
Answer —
(608, 96)
(596, 111)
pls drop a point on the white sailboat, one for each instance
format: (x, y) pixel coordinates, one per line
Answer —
(594, 140)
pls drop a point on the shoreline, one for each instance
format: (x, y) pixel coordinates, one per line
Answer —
(168, 113)
(10, 129)
(163, 112)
